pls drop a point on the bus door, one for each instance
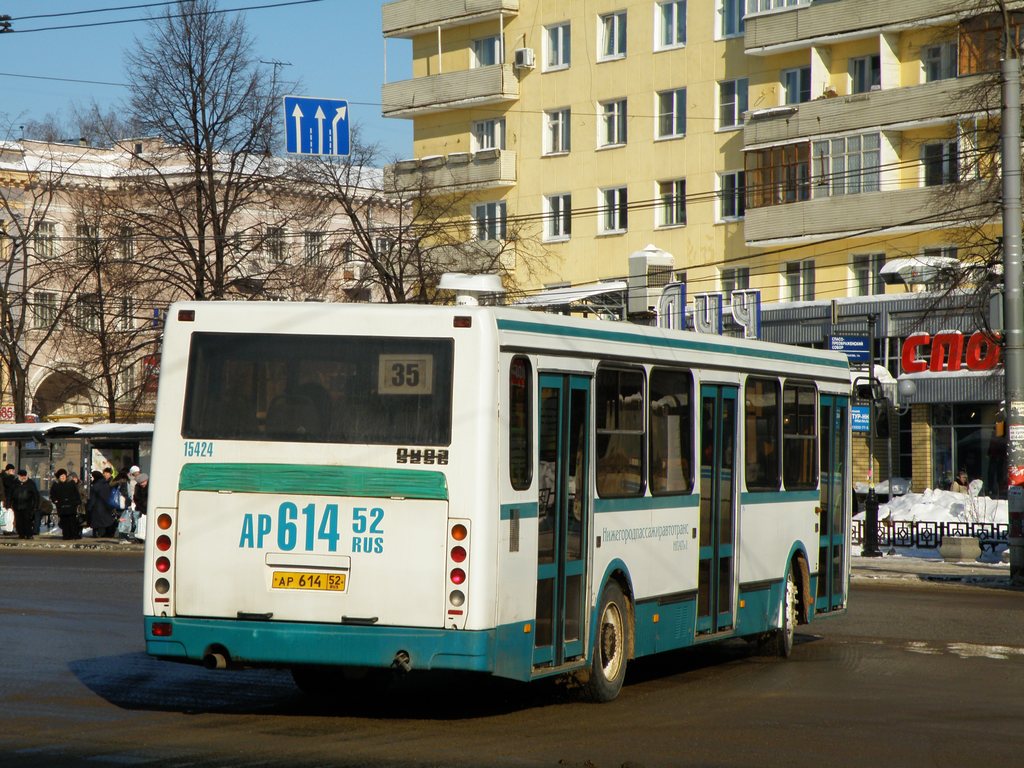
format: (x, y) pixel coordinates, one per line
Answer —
(563, 506)
(835, 500)
(717, 565)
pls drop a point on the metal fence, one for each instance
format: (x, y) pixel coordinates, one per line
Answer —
(927, 535)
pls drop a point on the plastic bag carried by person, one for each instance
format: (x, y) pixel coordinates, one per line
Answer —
(124, 524)
(6, 520)
(140, 528)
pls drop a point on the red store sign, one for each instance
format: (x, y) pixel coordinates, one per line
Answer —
(947, 351)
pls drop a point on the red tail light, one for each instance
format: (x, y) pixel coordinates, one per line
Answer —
(162, 629)
(458, 554)
(457, 576)
(163, 564)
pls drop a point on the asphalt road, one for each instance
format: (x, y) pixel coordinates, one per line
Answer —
(929, 675)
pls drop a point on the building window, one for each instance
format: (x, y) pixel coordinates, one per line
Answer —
(489, 134)
(672, 203)
(614, 210)
(556, 134)
(486, 51)
(941, 161)
(799, 277)
(87, 311)
(671, 22)
(866, 268)
(732, 102)
(778, 175)
(126, 243)
(731, 194)
(125, 313)
(796, 85)
(489, 219)
(557, 53)
(274, 244)
(866, 73)
(939, 61)
(88, 241)
(313, 246)
(672, 113)
(45, 240)
(613, 123)
(44, 309)
(612, 31)
(847, 165)
(730, 18)
(735, 279)
(756, 6)
(558, 214)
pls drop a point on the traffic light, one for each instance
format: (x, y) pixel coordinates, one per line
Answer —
(880, 417)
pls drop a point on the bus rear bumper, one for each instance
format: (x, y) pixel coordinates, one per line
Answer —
(260, 643)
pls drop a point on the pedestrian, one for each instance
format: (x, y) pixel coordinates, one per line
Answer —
(9, 481)
(25, 502)
(103, 516)
(141, 497)
(64, 496)
(961, 484)
(133, 479)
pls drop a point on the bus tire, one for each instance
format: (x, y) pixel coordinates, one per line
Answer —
(611, 646)
(780, 642)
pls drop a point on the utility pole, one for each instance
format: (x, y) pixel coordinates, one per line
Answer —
(1013, 310)
(870, 548)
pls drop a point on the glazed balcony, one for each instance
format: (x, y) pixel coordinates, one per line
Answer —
(486, 169)
(450, 90)
(409, 18)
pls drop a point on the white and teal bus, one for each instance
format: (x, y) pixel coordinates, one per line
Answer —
(342, 488)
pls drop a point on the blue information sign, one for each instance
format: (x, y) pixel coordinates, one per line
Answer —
(855, 347)
(315, 126)
(861, 418)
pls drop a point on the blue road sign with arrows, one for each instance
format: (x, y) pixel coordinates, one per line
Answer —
(315, 126)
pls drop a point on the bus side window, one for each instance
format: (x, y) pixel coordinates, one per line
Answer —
(620, 432)
(761, 427)
(520, 423)
(800, 436)
(671, 434)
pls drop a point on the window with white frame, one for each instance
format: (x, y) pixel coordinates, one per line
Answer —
(671, 203)
(612, 34)
(866, 73)
(732, 189)
(613, 123)
(383, 245)
(940, 61)
(846, 165)
(732, 102)
(45, 239)
(486, 51)
(672, 113)
(796, 85)
(940, 252)
(5, 245)
(799, 281)
(88, 240)
(941, 162)
(489, 134)
(556, 131)
(866, 269)
(44, 309)
(557, 48)
(125, 313)
(761, 6)
(126, 243)
(730, 18)
(614, 205)
(671, 24)
(558, 216)
(87, 311)
(735, 279)
(489, 220)
(126, 381)
(273, 244)
(313, 246)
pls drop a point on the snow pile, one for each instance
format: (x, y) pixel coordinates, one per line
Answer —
(934, 506)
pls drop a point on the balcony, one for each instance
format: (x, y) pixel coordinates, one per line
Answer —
(942, 101)
(486, 169)
(450, 90)
(808, 25)
(409, 18)
(916, 208)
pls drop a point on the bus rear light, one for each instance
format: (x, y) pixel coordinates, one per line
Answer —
(458, 576)
(457, 597)
(162, 629)
(163, 564)
(164, 521)
(186, 315)
(458, 554)
(162, 586)
(163, 543)
(462, 321)
(454, 612)
(459, 532)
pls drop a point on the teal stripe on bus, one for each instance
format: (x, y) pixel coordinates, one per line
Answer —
(637, 503)
(599, 334)
(526, 510)
(779, 497)
(314, 479)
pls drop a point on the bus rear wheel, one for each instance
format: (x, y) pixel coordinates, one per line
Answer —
(611, 646)
(780, 642)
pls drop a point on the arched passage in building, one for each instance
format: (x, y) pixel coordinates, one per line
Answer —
(62, 395)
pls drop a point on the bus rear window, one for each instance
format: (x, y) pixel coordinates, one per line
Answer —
(319, 389)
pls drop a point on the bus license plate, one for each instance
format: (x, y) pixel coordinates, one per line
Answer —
(325, 582)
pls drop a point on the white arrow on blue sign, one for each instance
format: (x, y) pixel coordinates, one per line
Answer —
(315, 126)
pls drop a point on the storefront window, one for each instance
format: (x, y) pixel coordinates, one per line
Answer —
(968, 437)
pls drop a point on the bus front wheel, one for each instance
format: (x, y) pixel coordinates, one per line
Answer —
(611, 646)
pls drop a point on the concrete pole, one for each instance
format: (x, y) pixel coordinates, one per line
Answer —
(870, 542)
(1013, 314)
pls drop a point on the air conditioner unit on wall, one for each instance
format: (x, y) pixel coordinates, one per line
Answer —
(524, 58)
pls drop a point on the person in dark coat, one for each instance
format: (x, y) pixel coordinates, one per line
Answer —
(24, 500)
(103, 516)
(9, 481)
(64, 496)
(141, 497)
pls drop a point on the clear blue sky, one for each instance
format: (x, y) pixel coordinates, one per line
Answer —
(334, 48)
